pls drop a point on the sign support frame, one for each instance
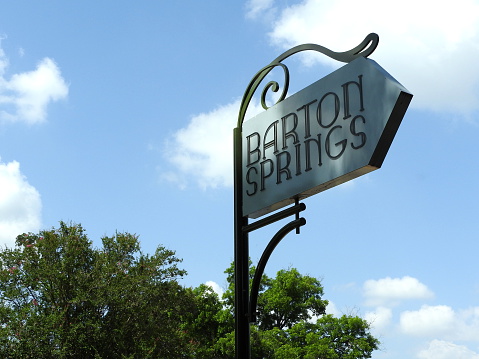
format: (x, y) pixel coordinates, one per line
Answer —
(245, 302)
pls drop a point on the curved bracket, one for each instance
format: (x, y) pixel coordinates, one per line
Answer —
(264, 259)
(364, 49)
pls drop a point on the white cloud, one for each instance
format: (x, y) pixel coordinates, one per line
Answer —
(255, 7)
(432, 52)
(430, 48)
(216, 288)
(20, 204)
(332, 309)
(202, 152)
(428, 321)
(25, 96)
(3, 63)
(380, 318)
(443, 322)
(438, 349)
(390, 291)
(468, 324)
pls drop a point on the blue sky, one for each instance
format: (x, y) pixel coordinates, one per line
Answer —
(120, 116)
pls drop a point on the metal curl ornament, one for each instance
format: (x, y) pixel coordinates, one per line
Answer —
(364, 49)
(274, 86)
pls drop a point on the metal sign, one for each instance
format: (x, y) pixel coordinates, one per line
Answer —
(333, 131)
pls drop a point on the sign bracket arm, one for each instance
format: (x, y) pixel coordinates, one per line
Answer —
(298, 207)
(295, 224)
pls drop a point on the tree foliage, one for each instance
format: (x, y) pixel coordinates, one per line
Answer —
(62, 298)
(286, 328)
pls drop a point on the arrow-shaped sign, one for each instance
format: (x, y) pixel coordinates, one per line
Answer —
(334, 130)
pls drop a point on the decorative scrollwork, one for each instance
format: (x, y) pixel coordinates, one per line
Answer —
(364, 49)
(273, 85)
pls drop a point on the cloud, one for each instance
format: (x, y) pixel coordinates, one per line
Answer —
(428, 321)
(20, 204)
(379, 318)
(3, 62)
(441, 321)
(438, 349)
(431, 49)
(202, 152)
(216, 288)
(437, 63)
(390, 291)
(25, 96)
(256, 7)
(332, 309)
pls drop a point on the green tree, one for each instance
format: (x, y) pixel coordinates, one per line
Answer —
(61, 298)
(206, 324)
(346, 337)
(285, 327)
(289, 298)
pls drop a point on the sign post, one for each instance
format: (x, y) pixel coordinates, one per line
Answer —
(334, 130)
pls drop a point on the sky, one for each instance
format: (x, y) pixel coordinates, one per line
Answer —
(119, 116)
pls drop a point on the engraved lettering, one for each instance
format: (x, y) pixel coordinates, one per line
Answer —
(346, 98)
(274, 142)
(283, 168)
(308, 152)
(250, 181)
(362, 135)
(319, 111)
(341, 144)
(256, 151)
(265, 174)
(307, 127)
(292, 132)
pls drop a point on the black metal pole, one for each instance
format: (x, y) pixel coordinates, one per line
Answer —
(241, 258)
